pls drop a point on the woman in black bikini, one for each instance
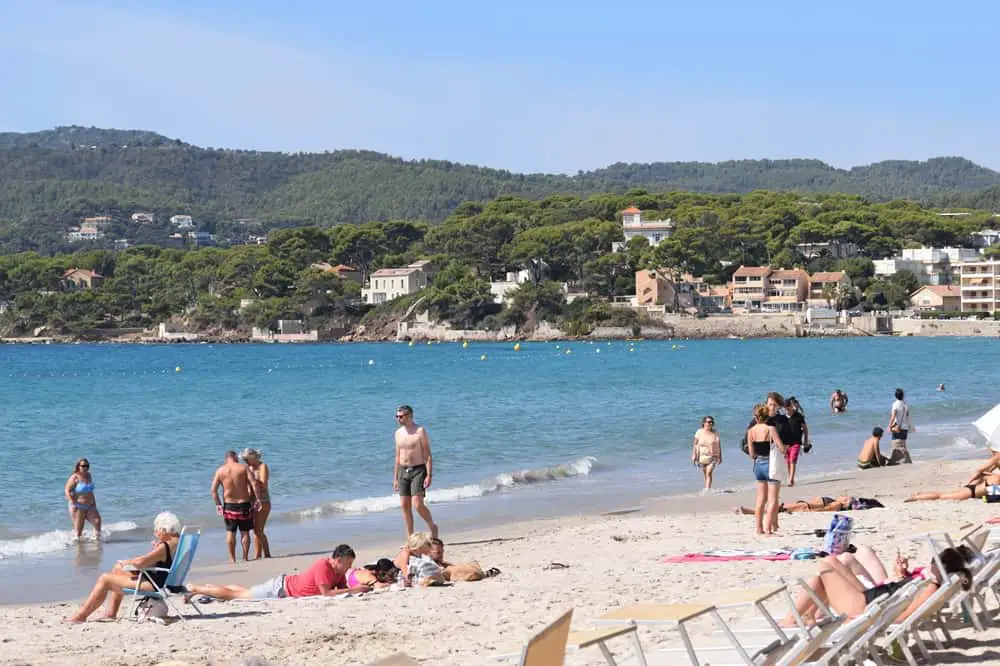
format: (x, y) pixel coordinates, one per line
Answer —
(838, 586)
(166, 529)
(975, 489)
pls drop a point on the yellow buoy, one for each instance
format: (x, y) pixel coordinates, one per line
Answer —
(569, 351)
(177, 369)
(483, 357)
(517, 346)
(411, 343)
(465, 345)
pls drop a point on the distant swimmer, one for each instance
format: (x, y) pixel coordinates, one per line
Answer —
(412, 469)
(940, 387)
(238, 502)
(82, 503)
(707, 450)
(838, 402)
(870, 455)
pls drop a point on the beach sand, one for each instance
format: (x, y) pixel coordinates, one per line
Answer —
(613, 560)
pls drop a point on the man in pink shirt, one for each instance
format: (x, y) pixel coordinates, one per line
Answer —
(326, 577)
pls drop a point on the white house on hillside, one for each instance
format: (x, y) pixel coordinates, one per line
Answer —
(387, 284)
(634, 226)
(182, 221)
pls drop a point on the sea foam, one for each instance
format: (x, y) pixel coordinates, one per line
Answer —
(56, 540)
(503, 481)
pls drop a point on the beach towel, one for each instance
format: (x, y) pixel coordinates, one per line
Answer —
(742, 555)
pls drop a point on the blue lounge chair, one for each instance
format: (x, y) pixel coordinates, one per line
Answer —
(177, 575)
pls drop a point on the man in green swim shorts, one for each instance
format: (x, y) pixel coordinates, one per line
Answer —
(413, 469)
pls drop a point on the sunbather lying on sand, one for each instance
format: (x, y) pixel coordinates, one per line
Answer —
(326, 577)
(839, 583)
(843, 503)
(465, 571)
(976, 488)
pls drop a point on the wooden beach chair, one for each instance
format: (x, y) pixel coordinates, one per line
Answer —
(398, 659)
(173, 587)
(582, 639)
(548, 647)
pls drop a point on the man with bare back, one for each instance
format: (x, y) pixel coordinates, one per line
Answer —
(412, 469)
(238, 502)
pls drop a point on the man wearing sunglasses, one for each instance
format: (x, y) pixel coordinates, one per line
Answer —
(412, 469)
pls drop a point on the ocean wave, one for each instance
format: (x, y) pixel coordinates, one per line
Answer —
(503, 481)
(56, 540)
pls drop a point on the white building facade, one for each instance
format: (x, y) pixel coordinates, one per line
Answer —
(633, 226)
(980, 285)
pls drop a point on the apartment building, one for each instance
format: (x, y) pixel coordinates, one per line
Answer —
(765, 289)
(931, 265)
(980, 285)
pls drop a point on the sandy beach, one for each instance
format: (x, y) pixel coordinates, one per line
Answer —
(613, 560)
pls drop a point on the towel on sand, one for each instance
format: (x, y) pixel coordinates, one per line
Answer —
(743, 554)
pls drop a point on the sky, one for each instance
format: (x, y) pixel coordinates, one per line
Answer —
(530, 86)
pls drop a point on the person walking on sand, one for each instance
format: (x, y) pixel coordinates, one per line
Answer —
(707, 450)
(238, 502)
(262, 475)
(900, 426)
(798, 436)
(413, 469)
(82, 504)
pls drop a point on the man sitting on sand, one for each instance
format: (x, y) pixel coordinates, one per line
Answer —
(870, 455)
(843, 503)
(326, 577)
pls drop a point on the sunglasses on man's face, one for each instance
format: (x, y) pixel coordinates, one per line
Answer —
(400, 416)
(85, 466)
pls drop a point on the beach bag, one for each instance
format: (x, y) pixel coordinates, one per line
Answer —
(838, 537)
(992, 494)
(425, 571)
(151, 609)
(777, 468)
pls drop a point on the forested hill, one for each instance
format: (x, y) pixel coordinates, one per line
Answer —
(49, 179)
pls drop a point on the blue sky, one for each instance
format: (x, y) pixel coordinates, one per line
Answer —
(527, 86)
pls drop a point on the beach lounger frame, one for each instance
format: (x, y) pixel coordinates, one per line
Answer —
(187, 547)
(548, 646)
(964, 598)
(927, 618)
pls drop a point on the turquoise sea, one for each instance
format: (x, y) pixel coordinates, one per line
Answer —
(553, 428)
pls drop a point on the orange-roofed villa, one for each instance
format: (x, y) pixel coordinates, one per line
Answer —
(633, 226)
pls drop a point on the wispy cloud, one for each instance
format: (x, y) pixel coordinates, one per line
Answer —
(211, 84)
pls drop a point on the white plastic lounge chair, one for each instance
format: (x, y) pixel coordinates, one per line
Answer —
(173, 587)
(924, 618)
(855, 637)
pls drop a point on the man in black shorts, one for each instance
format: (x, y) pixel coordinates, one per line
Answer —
(238, 502)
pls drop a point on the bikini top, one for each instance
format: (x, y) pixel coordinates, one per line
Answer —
(84, 488)
(761, 449)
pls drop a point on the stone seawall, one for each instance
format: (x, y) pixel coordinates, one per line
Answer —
(949, 327)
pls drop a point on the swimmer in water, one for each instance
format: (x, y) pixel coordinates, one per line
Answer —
(838, 402)
(940, 387)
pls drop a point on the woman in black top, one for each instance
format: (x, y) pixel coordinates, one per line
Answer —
(795, 436)
(166, 529)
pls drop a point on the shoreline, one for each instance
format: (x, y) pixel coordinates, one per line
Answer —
(613, 558)
(673, 327)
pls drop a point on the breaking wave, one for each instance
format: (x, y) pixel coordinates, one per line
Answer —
(503, 481)
(56, 540)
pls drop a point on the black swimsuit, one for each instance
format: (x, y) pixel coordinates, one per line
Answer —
(160, 577)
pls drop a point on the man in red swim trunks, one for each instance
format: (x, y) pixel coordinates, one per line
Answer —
(238, 502)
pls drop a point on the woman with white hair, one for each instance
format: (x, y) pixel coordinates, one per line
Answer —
(262, 474)
(167, 530)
